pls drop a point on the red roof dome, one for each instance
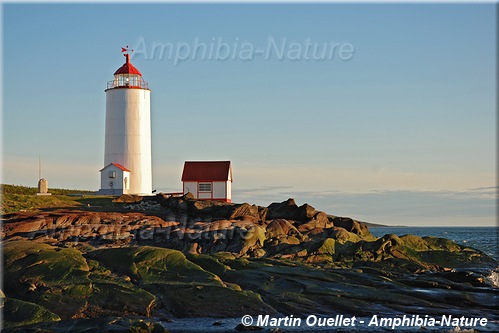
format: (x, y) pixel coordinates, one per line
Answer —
(127, 67)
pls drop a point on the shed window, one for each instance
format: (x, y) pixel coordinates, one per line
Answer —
(112, 174)
(204, 187)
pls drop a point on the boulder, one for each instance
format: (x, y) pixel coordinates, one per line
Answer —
(262, 213)
(283, 210)
(240, 211)
(306, 211)
(281, 228)
(290, 211)
(350, 225)
(343, 236)
(245, 240)
(319, 220)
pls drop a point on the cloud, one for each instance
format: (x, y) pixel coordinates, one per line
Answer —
(261, 189)
(484, 188)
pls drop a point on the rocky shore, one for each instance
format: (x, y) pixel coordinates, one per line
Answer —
(160, 258)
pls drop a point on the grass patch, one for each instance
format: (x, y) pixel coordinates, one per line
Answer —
(18, 189)
(14, 198)
(13, 203)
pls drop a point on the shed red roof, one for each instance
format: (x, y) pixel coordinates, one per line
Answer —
(127, 68)
(207, 171)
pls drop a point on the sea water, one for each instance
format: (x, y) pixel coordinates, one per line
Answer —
(484, 239)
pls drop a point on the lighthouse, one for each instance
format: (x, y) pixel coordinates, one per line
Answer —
(127, 153)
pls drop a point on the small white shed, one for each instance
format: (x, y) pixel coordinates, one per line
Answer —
(208, 180)
(115, 180)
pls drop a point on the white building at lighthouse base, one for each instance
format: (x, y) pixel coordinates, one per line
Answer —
(115, 180)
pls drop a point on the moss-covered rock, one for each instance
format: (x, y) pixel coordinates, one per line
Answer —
(207, 300)
(54, 277)
(327, 247)
(63, 282)
(208, 263)
(343, 236)
(147, 264)
(19, 313)
(441, 244)
(48, 265)
(118, 299)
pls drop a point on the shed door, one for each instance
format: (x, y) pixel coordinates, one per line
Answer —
(205, 190)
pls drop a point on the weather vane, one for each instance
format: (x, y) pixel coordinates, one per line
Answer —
(126, 52)
(126, 49)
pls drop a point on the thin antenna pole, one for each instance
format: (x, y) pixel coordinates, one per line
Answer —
(39, 167)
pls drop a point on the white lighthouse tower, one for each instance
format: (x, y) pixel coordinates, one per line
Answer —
(127, 155)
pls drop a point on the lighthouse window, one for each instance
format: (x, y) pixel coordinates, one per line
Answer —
(204, 187)
(112, 174)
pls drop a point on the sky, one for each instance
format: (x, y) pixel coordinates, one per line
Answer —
(385, 113)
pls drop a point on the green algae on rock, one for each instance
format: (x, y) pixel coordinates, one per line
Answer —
(21, 313)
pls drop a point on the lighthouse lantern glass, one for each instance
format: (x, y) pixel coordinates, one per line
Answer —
(127, 81)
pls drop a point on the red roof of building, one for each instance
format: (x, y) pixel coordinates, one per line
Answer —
(120, 166)
(116, 165)
(207, 171)
(127, 68)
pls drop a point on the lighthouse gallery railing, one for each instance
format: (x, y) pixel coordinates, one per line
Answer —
(127, 81)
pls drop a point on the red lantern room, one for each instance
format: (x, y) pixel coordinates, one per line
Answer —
(127, 76)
